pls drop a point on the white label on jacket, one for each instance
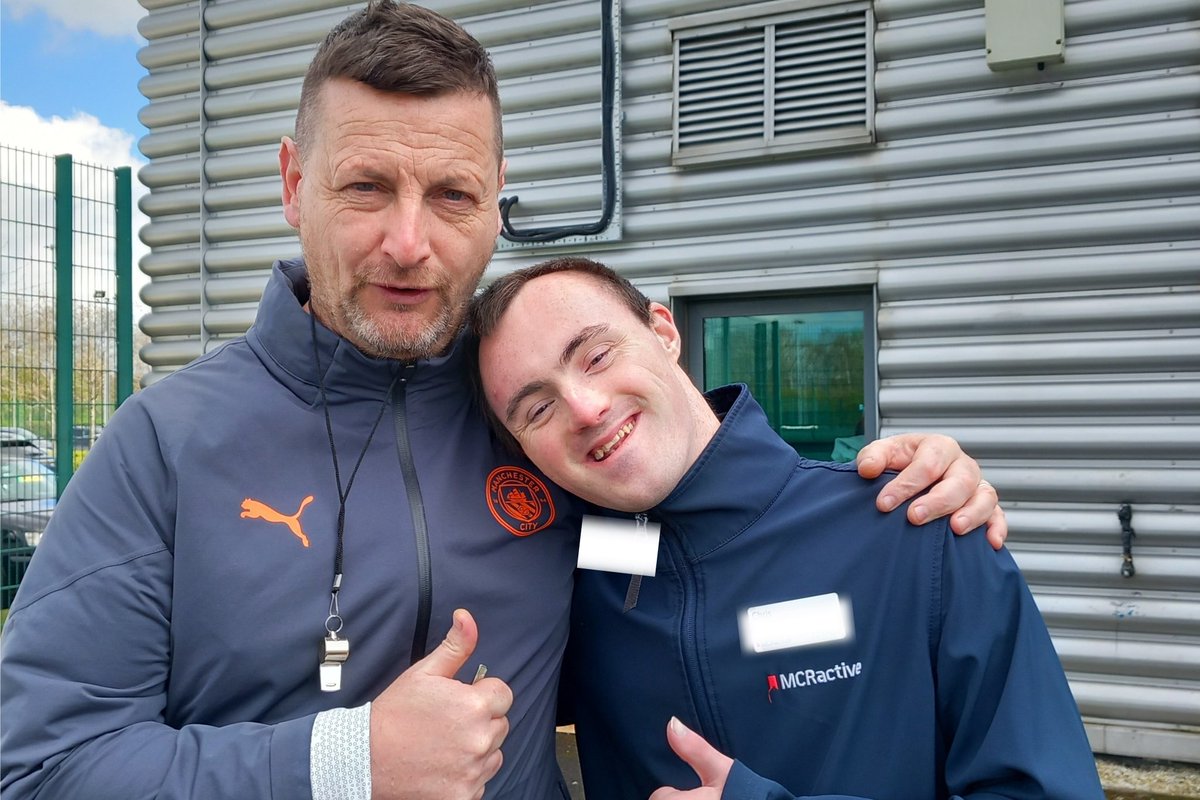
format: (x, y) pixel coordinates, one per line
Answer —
(795, 623)
(619, 545)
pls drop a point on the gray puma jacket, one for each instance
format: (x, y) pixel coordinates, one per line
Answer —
(166, 638)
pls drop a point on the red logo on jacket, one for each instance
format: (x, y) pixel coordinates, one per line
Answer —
(519, 500)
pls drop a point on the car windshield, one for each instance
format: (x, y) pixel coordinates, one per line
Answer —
(25, 479)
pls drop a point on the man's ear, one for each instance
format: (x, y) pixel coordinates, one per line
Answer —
(290, 171)
(499, 188)
(663, 325)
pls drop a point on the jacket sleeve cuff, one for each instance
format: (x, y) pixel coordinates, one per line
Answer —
(744, 784)
(340, 754)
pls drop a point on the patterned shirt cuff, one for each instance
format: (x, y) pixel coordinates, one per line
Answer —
(340, 754)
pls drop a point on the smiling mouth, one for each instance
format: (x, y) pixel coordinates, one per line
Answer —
(602, 452)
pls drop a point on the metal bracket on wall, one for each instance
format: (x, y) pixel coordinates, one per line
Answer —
(1125, 515)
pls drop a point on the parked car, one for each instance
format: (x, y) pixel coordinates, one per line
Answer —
(84, 436)
(27, 498)
(25, 442)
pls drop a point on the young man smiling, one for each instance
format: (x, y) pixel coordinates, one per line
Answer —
(830, 649)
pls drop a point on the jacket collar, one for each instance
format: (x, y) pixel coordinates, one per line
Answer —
(735, 480)
(282, 336)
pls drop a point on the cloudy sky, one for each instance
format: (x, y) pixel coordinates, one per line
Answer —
(69, 84)
(69, 76)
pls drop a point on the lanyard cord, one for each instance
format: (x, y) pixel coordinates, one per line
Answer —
(333, 623)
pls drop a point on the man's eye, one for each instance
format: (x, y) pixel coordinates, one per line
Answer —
(599, 356)
(538, 411)
(363, 186)
(454, 196)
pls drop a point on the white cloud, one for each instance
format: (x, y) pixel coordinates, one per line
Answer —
(105, 17)
(83, 136)
(88, 141)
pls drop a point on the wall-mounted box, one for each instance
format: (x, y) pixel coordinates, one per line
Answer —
(1022, 33)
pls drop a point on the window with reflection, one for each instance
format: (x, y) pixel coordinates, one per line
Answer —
(808, 360)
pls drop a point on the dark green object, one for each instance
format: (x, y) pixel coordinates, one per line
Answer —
(124, 241)
(64, 326)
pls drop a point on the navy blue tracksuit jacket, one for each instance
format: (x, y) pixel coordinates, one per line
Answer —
(937, 680)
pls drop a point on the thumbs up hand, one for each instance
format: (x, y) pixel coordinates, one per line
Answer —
(710, 765)
(433, 736)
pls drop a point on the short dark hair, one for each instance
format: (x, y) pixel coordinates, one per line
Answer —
(403, 49)
(489, 307)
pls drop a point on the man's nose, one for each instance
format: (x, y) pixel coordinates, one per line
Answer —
(406, 235)
(589, 406)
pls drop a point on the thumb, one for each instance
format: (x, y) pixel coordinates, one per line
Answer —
(710, 764)
(449, 656)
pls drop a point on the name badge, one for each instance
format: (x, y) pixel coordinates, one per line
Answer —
(619, 545)
(795, 623)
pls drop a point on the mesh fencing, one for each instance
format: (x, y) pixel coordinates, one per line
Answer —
(64, 244)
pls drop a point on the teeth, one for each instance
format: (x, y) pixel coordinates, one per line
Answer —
(601, 452)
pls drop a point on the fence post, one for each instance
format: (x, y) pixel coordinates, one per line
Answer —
(64, 319)
(124, 230)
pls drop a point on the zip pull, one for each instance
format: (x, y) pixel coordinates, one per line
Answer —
(635, 581)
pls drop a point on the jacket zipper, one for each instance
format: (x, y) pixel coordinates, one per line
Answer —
(417, 507)
(696, 679)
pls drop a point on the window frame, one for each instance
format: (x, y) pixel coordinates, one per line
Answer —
(694, 310)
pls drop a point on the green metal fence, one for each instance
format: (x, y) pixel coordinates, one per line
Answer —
(66, 330)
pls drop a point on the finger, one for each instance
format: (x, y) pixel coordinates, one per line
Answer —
(453, 652)
(954, 489)
(497, 697)
(997, 528)
(492, 765)
(710, 764)
(977, 511)
(875, 456)
(496, 704)
(921, 458)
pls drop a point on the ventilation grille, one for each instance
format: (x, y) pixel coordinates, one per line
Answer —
(804, 83)
(722, 91)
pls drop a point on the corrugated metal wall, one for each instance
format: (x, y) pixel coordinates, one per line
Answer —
(1034, 237)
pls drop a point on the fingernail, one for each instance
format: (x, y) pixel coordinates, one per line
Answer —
(677, 727)
(920, 513)
(888, 502)
(458, 623)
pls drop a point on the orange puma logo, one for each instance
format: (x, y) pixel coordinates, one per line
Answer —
(258, 510)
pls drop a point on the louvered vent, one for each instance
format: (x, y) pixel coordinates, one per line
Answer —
(722, 94)
(773, 86)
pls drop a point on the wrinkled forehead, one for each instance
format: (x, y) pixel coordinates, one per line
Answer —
(445, 125)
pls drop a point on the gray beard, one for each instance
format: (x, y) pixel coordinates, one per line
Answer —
(373, 340)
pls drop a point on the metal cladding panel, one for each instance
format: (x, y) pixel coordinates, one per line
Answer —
(1031, 236)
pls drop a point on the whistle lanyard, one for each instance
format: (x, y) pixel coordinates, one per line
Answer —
(335, 649)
